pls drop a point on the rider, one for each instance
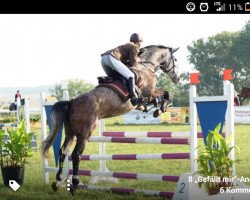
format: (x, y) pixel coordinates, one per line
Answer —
(117, 59)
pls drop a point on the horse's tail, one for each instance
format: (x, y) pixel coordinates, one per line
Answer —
(59, 115)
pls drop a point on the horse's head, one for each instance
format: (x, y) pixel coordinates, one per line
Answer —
(245, 92)
(168, 64)
(161, 57)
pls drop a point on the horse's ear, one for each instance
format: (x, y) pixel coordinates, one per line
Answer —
(175, 49)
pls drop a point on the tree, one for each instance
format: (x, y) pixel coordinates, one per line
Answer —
(240, 52)
(165, 83)
(75, 88)
(225, 50)
(210, 57)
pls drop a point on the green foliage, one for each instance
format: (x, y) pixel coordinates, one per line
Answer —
(7, 118)
(75, 88)
(178, 92)
(165, 83)
(35, 118)
(223, 50)
(240, 52)
(4, 107)
(17, 148)
(210, 57)
(214, 161)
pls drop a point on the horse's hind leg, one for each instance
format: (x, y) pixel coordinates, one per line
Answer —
(62, 155)
(77, 152)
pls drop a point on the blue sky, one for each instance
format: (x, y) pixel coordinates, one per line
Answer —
(46, 49)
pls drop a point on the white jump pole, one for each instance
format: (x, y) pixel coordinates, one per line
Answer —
(193, 128)
(44, 135)
(27, 114)
(228, 89)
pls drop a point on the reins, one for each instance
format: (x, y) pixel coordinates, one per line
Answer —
(155, 67)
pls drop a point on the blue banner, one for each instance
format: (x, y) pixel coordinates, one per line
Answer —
(210, 114)
(58, 139)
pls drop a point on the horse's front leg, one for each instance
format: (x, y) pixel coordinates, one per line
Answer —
(160, 98)
(76, 155)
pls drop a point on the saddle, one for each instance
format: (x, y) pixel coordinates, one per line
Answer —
(119, 85)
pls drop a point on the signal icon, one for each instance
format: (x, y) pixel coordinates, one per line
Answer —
(220, 6)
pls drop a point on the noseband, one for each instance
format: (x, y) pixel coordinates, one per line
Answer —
(165, 69)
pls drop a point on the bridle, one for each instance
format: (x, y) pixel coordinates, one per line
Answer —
(168, 70)
(165, 69)
(160, 66)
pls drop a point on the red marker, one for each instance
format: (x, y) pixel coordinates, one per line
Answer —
(227, 74)
(194, 78)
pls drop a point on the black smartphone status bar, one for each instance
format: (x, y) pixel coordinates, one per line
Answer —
(138, 7)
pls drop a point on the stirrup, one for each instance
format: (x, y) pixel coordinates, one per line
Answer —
(135, 101)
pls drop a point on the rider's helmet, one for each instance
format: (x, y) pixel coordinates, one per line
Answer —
(135, 37)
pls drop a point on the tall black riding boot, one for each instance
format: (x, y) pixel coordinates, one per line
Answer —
(132, 95)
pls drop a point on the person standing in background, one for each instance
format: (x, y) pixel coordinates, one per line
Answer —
(18, 98)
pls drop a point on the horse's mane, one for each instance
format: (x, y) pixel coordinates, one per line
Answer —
(144, 49)
(158, 46)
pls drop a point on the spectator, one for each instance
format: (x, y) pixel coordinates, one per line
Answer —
(18, 98)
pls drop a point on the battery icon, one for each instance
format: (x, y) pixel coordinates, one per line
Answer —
(247, 6)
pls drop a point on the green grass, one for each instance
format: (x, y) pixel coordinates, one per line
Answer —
(35, 188)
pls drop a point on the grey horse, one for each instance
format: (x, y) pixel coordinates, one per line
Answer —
(80, 115)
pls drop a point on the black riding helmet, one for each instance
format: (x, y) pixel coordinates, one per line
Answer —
(135, 37)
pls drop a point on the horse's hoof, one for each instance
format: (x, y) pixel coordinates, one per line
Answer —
(156, 113)
(54, 186)
(140, 108)
(163, 110)
(58, 177)
(73, 190)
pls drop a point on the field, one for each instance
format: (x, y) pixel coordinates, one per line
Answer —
(35, 188)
